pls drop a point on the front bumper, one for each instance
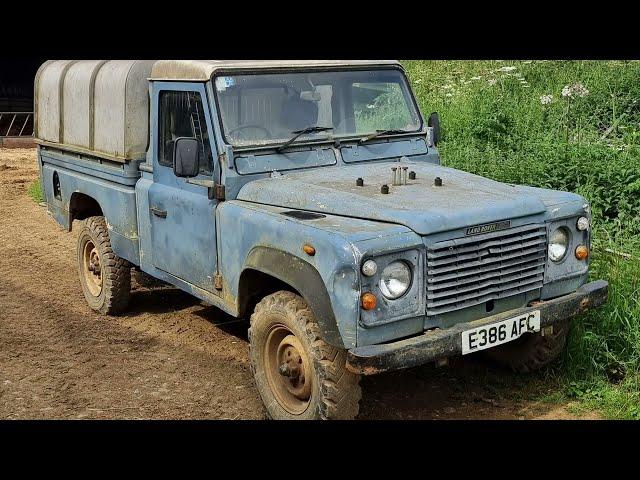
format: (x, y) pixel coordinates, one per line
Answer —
(437, 344)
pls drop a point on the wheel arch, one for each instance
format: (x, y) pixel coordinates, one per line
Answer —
(290, 273)
(83, 206)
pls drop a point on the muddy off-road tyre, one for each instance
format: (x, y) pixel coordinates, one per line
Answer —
(105, 277)
(531, 352)
(298, 374)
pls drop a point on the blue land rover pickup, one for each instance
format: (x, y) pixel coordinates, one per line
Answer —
(309, 197)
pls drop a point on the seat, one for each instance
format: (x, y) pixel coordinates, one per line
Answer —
(298, 114)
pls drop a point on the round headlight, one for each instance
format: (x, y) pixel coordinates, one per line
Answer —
(369, 268)
(558, 244)
(395, 280)
(583, 224)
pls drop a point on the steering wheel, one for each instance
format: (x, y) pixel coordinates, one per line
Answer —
(266, 132)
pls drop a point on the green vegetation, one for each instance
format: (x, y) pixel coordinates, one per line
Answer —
(381, 108)
(571, 126)
(35, 191)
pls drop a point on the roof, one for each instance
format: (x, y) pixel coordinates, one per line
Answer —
(202, 70)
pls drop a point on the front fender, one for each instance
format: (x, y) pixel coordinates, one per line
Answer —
(259, 237)
(303, 277)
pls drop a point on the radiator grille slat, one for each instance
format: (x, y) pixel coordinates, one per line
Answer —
(472, 270)
(446, 289)
(484, 252)
(486, 244)
(462, 274)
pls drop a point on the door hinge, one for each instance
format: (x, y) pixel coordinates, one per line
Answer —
(218, 192)
(217, 281)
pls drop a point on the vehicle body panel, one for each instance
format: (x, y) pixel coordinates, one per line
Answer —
(244, 226)
(463, 200)
(188, 213)
(111, 185)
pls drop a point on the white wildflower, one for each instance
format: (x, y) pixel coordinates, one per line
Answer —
(506, 69)
(476, 78)
(419, 80)
(578, 90)
(546, 99)
(492, 81)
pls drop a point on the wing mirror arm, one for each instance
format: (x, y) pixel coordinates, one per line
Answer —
(434, 124)
(215, 191)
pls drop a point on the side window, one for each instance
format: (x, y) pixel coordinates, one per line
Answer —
(182, 115)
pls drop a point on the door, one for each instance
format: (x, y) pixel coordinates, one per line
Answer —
(183, 230)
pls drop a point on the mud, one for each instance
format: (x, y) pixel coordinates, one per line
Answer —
(171, 356)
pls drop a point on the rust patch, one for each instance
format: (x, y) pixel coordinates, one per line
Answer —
(367, 370)
(584, 303)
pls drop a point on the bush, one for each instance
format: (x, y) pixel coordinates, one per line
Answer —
(569, 126)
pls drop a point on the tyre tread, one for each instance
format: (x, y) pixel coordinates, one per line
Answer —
(116, 271)
(340, 389)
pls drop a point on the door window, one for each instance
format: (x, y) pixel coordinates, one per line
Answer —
(182, 115)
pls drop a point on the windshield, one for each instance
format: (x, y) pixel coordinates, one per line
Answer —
(270, 108)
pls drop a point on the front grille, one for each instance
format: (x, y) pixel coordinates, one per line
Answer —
(473, 270)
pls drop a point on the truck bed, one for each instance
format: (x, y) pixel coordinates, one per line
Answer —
(73, 182)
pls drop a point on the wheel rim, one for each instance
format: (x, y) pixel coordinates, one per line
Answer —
(91, 268)
(288, 370)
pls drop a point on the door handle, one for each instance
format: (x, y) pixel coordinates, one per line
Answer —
(159, 213)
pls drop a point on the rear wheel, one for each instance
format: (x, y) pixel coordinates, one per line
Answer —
(298, 374)
(531, 352)
(105, 277)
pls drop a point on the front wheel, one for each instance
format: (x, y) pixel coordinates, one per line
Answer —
(105, 277)
(298, 374)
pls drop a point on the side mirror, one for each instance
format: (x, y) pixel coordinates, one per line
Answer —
(186, 157)
(434, 122)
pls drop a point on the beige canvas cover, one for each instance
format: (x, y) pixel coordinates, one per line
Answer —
(94, 106)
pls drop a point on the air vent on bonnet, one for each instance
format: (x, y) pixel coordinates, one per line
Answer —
(303, 215)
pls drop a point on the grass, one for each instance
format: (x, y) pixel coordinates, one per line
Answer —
(34, 190)
(510, 121)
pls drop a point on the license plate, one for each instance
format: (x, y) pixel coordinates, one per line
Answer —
(487, 336)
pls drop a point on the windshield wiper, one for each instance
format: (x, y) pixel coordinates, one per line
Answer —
(299, 133)
(379, 133)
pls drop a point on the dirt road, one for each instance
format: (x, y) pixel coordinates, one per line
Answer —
(172, 356)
